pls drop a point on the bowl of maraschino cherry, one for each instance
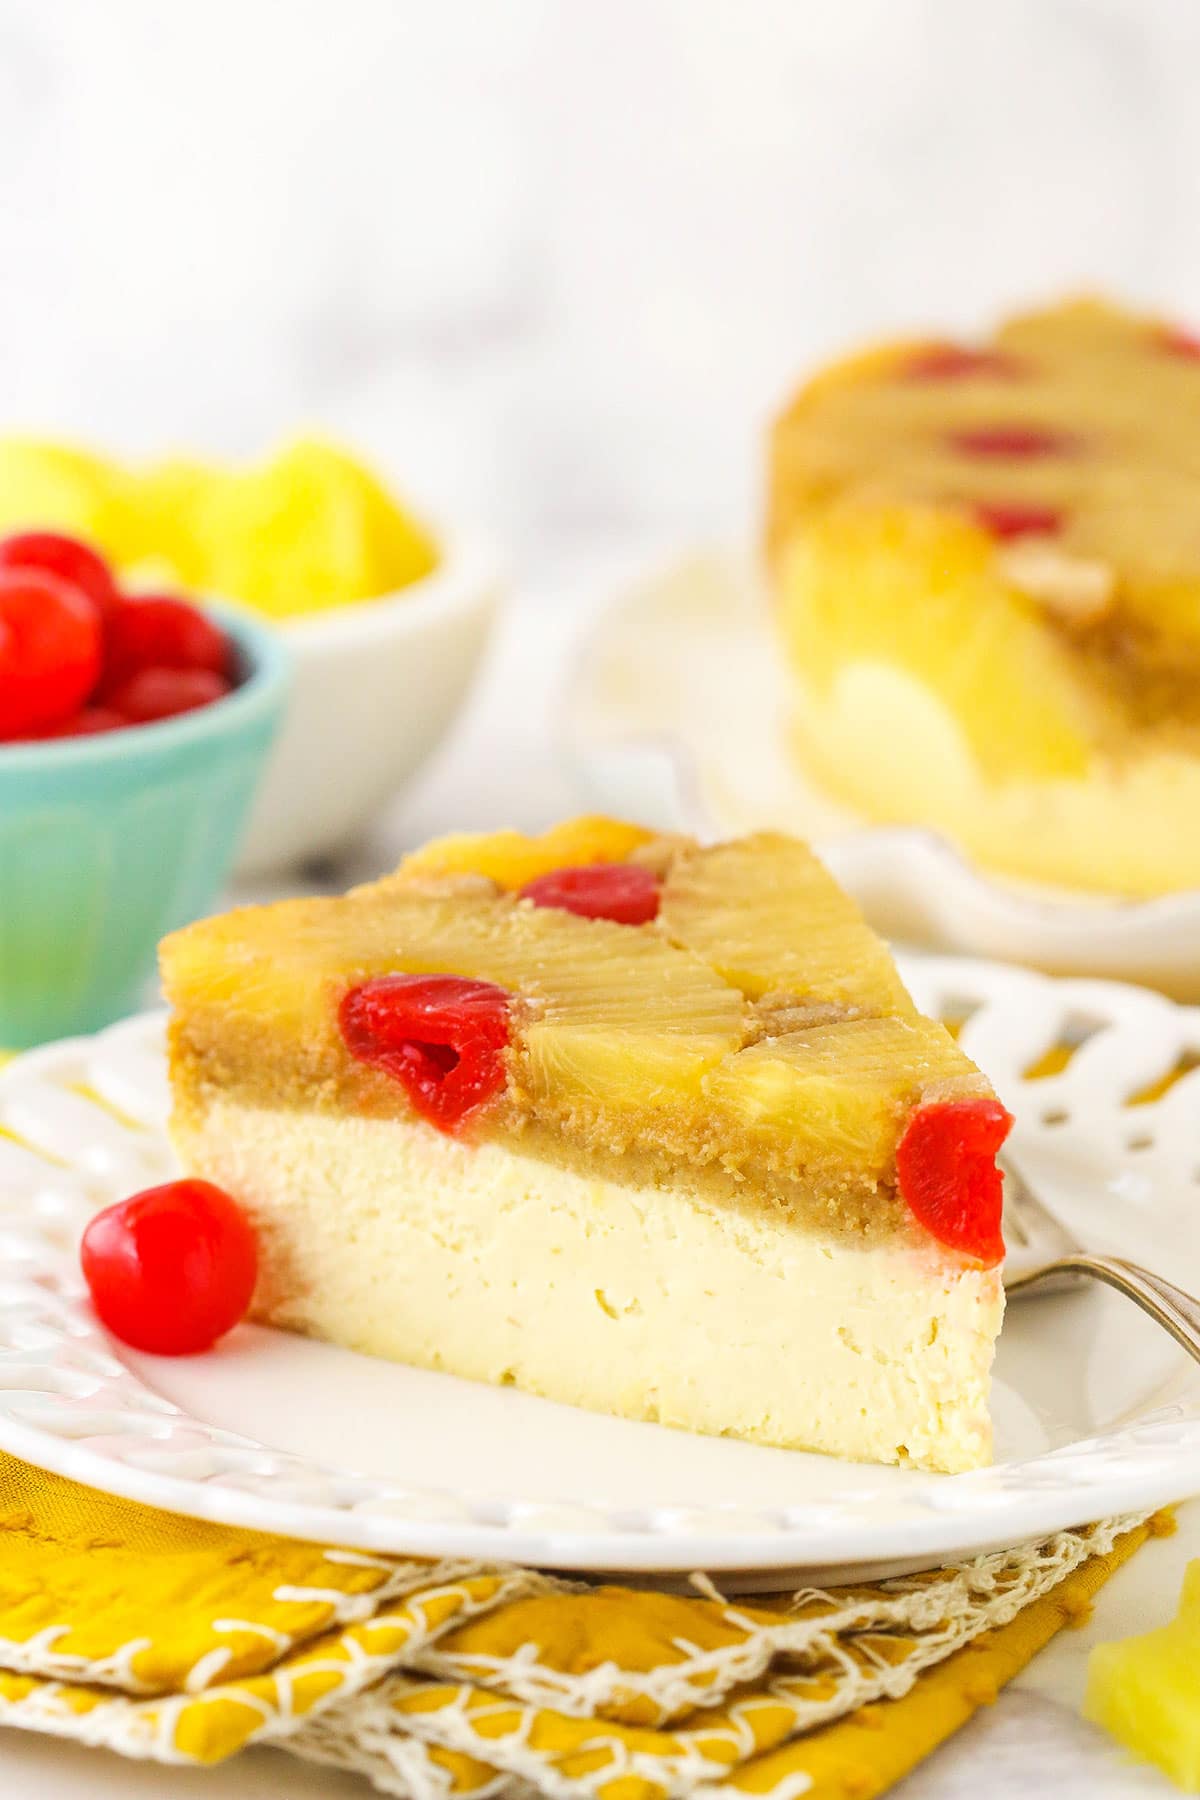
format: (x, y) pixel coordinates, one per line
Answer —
(78, 656)
(133, 732)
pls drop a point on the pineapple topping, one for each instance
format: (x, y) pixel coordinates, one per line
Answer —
(752, 1023)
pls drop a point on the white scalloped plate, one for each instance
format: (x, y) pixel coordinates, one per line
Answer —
(1097, 1412)
(675, 713)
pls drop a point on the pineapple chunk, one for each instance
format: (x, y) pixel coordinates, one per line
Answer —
(843, 1089)
(655, 1034)
(922, 591)
(623, 1069)
(1145, 1691)
(51, 486)
(630, 1021)
(164, 544)
(309, 529)
(617, 1013)
(770, 918)
(510, 859)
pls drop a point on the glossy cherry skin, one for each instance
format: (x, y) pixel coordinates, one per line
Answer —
(1013, 443)
(624, 892)
(442, 1037)
(171, 1269)
(50, 647)
(66, 557)
(1005, 520)
(160, 631)
(89, 721)
(946, 1164)
(154, 693)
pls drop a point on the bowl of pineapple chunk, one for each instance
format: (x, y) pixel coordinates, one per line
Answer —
(385, 618)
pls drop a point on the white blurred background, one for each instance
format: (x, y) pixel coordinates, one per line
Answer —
(554, 263)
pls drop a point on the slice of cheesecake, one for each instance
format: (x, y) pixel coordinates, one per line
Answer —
(643, 1126)
(986, 562)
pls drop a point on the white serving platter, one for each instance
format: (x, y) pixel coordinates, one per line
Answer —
(1097, 1412)
(676, 713)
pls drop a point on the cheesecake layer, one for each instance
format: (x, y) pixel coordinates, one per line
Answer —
(650, 1302)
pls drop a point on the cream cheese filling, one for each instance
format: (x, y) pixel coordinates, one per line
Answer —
(650, 1303)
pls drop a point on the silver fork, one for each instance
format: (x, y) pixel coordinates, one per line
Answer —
(1042, 1251)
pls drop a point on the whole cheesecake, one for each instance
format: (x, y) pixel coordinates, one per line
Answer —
(986, 560)
(631, 1123)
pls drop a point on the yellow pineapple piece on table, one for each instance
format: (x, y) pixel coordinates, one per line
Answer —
(1145, 1691)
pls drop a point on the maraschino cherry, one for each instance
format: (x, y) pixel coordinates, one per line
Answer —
(946, 1163)
(50, 650)
(1015, 519)
(171, 1269)
(624, 892)
(442, 1037)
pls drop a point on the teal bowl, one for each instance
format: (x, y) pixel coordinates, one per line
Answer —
(108, 842)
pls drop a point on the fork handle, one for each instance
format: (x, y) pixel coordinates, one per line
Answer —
(1175, 1310)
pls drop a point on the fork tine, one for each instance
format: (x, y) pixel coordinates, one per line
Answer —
(1031, 1221)
(1015, 1229)
(1034, 1237)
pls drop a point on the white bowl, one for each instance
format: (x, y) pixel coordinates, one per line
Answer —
(375, 687)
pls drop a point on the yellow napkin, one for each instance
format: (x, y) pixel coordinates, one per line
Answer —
(163, 1637)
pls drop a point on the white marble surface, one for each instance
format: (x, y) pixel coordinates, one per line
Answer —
(556, 264)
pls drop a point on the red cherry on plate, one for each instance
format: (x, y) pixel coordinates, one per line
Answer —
(150, 694)
(442, 1037)
(171, 1269)
(1013, 520)
(946, 1163)
(66, 557)
(623, 892)
(161, 632)
(49, 650)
